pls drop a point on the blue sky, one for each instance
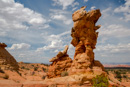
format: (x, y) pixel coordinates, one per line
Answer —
(35, 30)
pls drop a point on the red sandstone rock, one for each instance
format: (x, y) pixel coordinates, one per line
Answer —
(7, 61)
(84, 38)
(60, 64)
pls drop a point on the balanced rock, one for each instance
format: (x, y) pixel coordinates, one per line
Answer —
(60, 63)
(7, 61)
(84, 38)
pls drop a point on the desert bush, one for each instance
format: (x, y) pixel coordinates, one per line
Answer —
(19, 73)
(100, 81)
(6, 76)
(125, 76)
(64, 73)
(32, 65)
(44, 64)
(118, 75)
(44, 69)
(22, 67)
(2, 71)
(43, 77)
(27, 68)
(35, 68)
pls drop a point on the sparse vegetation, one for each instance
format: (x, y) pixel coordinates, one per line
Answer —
(65, 73)
(118, 75)
(35, 68)
(43, 77)
(100, 81)
(1, 71)
(27, 68)
(32, 65)
(6, 76)
(44, 69)
(22, 67)
(125, 76)
(44, 64)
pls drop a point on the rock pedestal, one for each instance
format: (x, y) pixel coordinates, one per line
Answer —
(84, 38)
(60, 63)
(7, 61)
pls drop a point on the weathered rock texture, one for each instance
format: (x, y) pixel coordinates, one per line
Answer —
(84, 38)
(61, 63)
(7, 61)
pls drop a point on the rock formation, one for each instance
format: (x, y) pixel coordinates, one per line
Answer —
(7, 61)
(84, 38)
(61, 63)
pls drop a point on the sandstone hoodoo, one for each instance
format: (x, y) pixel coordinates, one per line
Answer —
(84, 38)
(60, 63)
(7, 61)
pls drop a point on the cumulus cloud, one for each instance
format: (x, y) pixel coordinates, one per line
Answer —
(65, 3)
(74, 8)
(54, 42)
(85, 0)
(106, 12)
(21, 46)
(125, 9)
(75, 4)
(111, 48)
(62, 18)
(93, 7)
(114, 31)
(15, 16)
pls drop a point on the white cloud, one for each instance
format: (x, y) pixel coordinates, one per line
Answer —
(15, 16)
(74, 4)
(106, 12)
(22, 46)
(114, 31)
(93, 7)
(54, 42)
(62, 18)
(59, 11)
(2, 33)
(64, 3)
(110, 48)
(125, 9)
(74, 8)
(85, 0)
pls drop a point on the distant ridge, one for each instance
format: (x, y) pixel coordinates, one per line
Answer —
(119, 66)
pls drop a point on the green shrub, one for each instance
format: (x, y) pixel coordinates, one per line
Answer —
(32, 65)
(6, 76)
(125, 76)
(100, 81)
(43, 77)
(2, 71)
(118, 75)
(35, 68)
(65, 73)
(22, 67)
(44, 69)
(27, 68)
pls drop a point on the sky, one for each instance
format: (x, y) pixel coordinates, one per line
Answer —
(36, 30)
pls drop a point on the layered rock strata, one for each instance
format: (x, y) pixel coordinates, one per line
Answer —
(60, 63)
(84, 38)
(7, 61)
